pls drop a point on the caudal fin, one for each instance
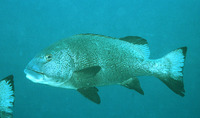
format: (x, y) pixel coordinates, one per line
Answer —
(6, 97)
(172, 72)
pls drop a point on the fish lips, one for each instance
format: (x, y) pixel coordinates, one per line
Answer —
(34, 76)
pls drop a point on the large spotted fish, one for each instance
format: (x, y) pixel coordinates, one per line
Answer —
(83, 62)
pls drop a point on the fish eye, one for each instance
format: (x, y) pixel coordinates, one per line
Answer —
(48, 57)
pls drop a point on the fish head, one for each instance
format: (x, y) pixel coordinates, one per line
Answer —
(53, 66)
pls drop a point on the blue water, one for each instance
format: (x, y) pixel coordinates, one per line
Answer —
(27, 26)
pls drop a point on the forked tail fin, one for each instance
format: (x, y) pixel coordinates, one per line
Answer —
(172, 70)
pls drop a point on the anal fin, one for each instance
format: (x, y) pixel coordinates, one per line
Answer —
(133, 83)
(90, 93)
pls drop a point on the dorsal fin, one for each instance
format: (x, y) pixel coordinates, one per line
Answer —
(135, 40)
(99, 35)
(140, 44)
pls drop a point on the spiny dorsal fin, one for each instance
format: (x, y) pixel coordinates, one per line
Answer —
(91, 94)
(133, 83)
(99, 35)
(140, 44)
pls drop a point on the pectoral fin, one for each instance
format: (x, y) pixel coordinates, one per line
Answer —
(87, 72)
(90, 93)
(133, 83)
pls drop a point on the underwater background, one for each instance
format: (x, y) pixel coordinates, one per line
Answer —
(27, 26)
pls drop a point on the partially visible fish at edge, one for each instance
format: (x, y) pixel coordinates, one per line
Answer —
(86, 61)
(6, 97)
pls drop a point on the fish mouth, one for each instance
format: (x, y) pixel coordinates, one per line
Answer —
(33, 75)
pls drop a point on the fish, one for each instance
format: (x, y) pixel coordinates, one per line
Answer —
(6, 97)
(84, 62)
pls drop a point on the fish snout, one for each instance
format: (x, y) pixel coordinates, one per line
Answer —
(33, 72)
(35, 65)
(33, 75)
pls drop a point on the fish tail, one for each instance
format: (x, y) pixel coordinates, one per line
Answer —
(171, 70)
(6, 97)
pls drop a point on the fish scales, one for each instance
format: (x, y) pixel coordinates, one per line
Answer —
(86, 61)
(117, 58)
